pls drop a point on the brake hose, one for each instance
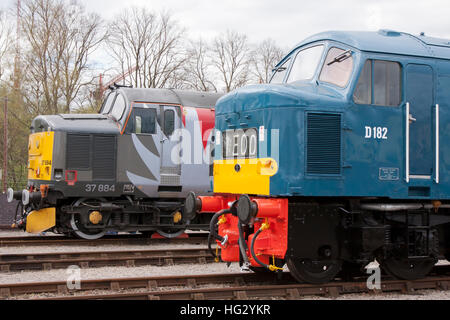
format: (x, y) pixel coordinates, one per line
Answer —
(252, 251)
(243, 246)
(212, 230)
(271, 267)
(17, 211)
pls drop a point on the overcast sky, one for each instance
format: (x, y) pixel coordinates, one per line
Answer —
(290, 21)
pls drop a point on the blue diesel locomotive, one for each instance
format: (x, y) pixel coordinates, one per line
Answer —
(341, 159)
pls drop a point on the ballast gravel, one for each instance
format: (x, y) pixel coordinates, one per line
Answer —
(118, 272)
(19, 233)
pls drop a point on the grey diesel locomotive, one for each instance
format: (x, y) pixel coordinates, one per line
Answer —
(127, 168)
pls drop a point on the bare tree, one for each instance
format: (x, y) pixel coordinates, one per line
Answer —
(5, 42)
(149, 44)
(197, 69)
(231, 58)
(264, 58)
(59, 37)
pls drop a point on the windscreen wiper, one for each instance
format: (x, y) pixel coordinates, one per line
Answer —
(343, 56)
(280, 69)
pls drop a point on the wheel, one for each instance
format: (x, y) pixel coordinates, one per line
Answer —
(77, 228)
(317, 272)
(407, 269)
(83, 233)
(170, 233)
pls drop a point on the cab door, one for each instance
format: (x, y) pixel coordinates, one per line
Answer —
(419, 98)
(170, 171)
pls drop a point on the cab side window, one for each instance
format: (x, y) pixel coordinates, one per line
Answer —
(379, 84)
(386, 87)
(169, 122)
(363, 90)
(142, 121)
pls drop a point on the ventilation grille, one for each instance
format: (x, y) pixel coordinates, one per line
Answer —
(170, 180)
(104, 160)
(171, 170)
(323, 143)
(78, 151)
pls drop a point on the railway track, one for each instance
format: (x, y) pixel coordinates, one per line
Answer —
(229, 286)
(148, 283)
(107, 240)
(95, 259)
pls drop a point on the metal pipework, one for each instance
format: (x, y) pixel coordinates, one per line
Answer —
(400, 206)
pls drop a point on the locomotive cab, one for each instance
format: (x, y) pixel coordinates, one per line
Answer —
(339, 160)
(122, 169)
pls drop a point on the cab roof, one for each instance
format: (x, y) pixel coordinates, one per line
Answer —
(183, 97)
(387, 41)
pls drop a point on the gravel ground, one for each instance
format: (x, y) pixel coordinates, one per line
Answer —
(19, 233)
(118, 272)
(85, 248)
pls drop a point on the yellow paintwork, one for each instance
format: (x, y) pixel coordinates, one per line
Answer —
(39, 221)
(177, 217)
(252, 178)
(40, 155)
(95, 217)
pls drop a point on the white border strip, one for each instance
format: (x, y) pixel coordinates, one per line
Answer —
(437, 143)
(407, 143)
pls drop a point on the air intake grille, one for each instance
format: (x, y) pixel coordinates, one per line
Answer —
(104, 160)
(323, 143)
(78, 151)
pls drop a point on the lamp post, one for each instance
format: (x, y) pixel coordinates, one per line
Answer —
(5, 145)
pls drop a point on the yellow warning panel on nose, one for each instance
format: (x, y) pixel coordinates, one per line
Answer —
(41, 220)
(244, 176)
(40, 155)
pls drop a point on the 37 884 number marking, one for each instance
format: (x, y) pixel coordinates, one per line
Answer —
(376, 133)
(100, 188)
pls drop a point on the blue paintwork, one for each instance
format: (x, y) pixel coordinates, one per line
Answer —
(369, 167)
